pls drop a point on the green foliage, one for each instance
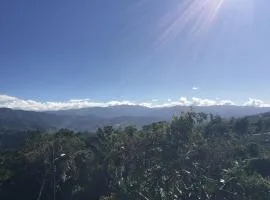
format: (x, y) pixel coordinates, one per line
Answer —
(240, 126)
(196, 156)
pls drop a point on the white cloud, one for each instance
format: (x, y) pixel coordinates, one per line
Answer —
(79, 100)
(149, 105)
(194, 88)
(184, 101)
(17, 103)
(203, 102)
(256, 103)
(226, 102)
(4, 98)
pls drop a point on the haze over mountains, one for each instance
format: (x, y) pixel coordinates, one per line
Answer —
(89, 119)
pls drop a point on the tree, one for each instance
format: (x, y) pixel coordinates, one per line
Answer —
(241, 126)
(260, 126)
(190, 157)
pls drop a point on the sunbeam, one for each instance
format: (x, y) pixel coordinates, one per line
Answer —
(195, 17)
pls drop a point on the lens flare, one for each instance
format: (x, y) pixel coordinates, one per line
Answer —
(196, 16)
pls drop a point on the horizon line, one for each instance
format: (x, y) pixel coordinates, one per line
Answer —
(11, 102)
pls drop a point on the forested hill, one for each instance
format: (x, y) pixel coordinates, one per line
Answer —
(89, 119)
(226, 111)
(13, 121)
(195, 156)
(19, 120)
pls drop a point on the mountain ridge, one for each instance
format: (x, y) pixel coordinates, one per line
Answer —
(89, 119)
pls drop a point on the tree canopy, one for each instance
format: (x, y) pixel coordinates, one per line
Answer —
(195, 156)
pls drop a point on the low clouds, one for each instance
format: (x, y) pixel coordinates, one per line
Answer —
(256, 103)
(226, 102)
(5, 98)
(184, 101)
(17, 103)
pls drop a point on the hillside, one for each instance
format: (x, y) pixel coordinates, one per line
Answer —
(164, 112)
(89, 119)
(18, 120)
(195, 156)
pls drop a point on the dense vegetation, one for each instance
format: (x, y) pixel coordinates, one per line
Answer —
(195, 156)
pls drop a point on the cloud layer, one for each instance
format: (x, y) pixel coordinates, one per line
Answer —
(17, 103)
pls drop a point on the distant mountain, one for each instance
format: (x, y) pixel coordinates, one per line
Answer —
(91, 118)
(26, 120)
(108, 112)
(164, 112)
(18, 121)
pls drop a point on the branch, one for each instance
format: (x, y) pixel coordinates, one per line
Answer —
(143, 196)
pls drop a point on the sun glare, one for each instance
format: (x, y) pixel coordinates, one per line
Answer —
(196, 17)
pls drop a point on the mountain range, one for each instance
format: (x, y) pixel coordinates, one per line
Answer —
(89, 119)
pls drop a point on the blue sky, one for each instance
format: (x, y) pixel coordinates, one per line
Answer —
(135, 50)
